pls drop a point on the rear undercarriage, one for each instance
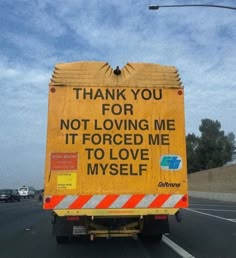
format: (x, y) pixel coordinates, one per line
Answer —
(92, 227)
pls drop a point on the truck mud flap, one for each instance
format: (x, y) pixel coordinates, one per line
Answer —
(154, 226)
(69, 228)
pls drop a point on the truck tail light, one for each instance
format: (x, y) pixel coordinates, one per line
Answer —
(72, 218)
(48, 200)
(160, 217)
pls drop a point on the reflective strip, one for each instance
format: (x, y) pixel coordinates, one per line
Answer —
(107, 201)
(172, 200)
(183, 203)
(67, 201)
(120, 201)
(133, 201)
(94, 201)
(54, 201)
(79, 202)
(125, 201)
(145, 202)
(160, 199)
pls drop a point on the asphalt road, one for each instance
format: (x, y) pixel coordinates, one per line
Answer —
(208, 230)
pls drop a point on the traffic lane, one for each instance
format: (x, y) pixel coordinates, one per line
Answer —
(10, 209)
(15, 217)
(224, 214)
(203, 235)
(223, 210)
(29, 235)
(210, 203)
(6, 207)
(38, 242)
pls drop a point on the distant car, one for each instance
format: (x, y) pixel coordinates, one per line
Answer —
(26, 192)
(9, 195)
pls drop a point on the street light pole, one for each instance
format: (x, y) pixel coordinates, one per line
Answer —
(156, 7)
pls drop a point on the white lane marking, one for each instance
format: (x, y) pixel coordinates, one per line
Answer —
(210, 204)
(179, 250)
(203, 209)
(210, 215)
(233, 220)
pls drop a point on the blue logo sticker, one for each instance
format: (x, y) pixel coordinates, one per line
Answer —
(171, 162)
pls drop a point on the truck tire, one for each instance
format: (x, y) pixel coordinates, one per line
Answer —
(153, 229)
(62, 239)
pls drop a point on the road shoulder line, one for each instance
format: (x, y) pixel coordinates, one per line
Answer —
(210, 215)
(179, 250)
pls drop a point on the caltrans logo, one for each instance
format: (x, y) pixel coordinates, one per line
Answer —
(171, 162)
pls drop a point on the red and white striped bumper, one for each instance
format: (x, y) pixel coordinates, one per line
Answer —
(113, 201)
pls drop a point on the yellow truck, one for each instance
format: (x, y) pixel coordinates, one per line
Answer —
(115, 155)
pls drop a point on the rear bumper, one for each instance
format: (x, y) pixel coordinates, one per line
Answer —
(115, 212)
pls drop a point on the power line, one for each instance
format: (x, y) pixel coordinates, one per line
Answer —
(156, 7)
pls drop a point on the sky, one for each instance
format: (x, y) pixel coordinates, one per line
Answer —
(37, 34)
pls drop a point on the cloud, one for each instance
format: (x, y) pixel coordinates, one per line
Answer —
(23, 128)
(35, 35)
(24, 94)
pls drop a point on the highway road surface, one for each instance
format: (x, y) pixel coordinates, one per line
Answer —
(208, 229)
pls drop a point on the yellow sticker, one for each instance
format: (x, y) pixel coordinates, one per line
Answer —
(66, 181)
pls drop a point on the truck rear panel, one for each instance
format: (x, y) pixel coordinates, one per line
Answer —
(115, 143)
